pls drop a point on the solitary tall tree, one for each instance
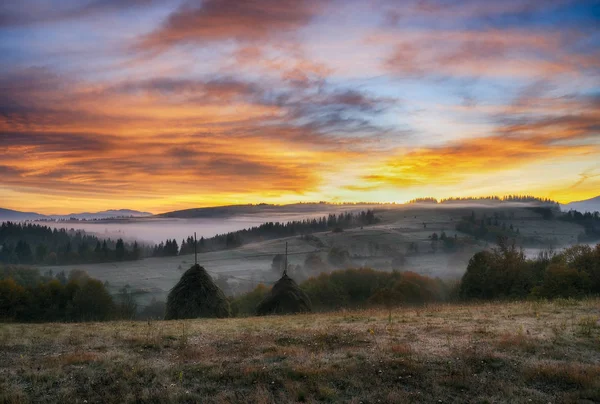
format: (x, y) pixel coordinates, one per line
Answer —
(136, 251)
(120, 249)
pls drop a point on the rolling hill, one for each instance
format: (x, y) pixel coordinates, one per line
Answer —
(588, 205)
(370, 246)
(263, 208)
(106, 214)
(15, 215)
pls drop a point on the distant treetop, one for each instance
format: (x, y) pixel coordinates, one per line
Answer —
(493, 198)
(422, 200)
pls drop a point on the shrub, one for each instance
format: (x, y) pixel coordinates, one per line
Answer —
(501, 272)
(504, 272)
(52, 298)
(562, 281)
(344, 288)
(92, 302)
(23, 276)
(245, 305)
(476, 283)
(363, 287)
(12, 299)
(414, 288)
(584, 259)
(324, 293)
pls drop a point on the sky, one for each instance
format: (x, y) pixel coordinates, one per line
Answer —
(160, 105)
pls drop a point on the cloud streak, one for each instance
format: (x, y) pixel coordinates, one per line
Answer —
(222, 20)
(506, 54)
(35, 12)
(519, 140)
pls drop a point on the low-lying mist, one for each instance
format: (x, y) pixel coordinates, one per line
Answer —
(156, 230)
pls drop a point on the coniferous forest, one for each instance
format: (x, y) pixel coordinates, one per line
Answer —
(266, 231)
(30, 243)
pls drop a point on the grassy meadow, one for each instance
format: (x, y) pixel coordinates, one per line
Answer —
(523, 352)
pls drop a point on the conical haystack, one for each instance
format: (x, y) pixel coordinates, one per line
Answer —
(196, 295)
(286, 297)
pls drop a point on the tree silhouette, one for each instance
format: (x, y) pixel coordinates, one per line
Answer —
(120, 250)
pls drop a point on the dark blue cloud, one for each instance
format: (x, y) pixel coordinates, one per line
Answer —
(30, 12)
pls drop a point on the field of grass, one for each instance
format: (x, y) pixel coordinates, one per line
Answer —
(524, 352)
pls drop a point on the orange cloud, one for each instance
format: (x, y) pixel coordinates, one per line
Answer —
(218, 20)
(167, 138)
(533, 129)
(483, 53)
(513, 147)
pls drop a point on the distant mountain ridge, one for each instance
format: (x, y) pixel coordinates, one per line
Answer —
(9, 214)
(261, 208)
(106, 214)
(588, 205)
(15, 215)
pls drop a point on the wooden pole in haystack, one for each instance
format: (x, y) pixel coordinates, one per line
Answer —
(195, 250)
(286, 262)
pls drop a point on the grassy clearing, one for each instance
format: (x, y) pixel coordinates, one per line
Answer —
(536, 352)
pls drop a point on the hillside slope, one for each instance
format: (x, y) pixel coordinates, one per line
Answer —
(15, 215)
(369, 245)
(525, 352)
(308, 209)
(588, 205)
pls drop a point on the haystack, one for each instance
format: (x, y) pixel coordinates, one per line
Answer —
(196, 295)
(286, 297)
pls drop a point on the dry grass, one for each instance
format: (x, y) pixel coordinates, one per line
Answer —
(535, 352)
(520, 341)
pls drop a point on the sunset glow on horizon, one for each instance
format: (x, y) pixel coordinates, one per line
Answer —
(165, 105)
